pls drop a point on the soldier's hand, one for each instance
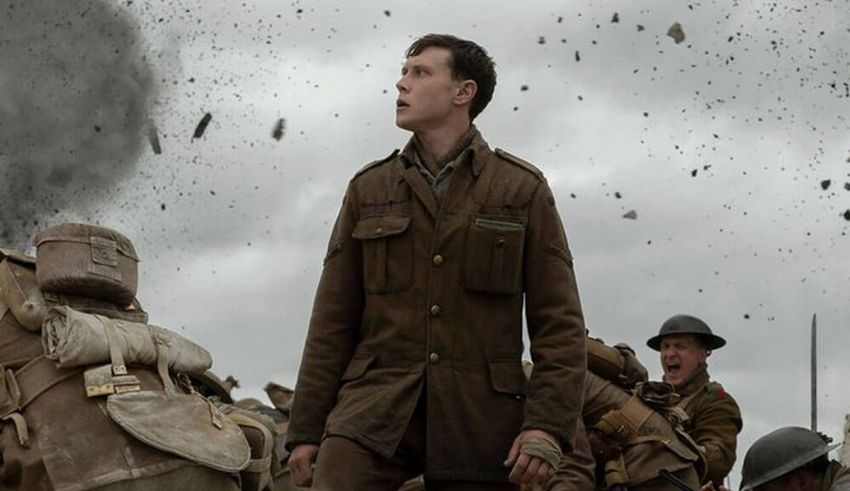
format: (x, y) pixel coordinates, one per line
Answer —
(301, 464)
(710, 487)
(529, 469)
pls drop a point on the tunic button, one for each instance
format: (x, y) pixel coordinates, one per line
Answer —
(434, 358)
(436, 309)
(379, 230)
(437, 260)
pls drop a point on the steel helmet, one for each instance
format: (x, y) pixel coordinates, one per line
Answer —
(779, 453)
(686, 324)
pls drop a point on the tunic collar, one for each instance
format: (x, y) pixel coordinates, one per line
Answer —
(695, 381)
(470, 148)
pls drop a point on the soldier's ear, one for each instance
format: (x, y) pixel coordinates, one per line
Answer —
(465, 92)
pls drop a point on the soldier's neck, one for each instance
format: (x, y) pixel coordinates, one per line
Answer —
(435, 143)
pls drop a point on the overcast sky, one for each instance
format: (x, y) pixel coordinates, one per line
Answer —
(722, 144)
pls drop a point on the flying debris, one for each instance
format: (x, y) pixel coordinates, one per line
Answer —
(523, 88)
(631, 215)
(153, 138)
(616, 18)
(279, 129)
(847, 215)
(694, 173)
(202, 126)
(825, 184)
(578, 58)
(640, 28)
(847, 188)
(676, 33)
(541, 40)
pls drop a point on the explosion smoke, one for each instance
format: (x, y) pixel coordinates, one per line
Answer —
(75, 90)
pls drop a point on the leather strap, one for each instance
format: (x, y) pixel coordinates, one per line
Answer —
(38, 376)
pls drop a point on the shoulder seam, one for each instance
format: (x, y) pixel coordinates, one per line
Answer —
(376, 163)
(513, 159)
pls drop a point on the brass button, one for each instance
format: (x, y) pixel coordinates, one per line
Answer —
(379, 230)
(434, 358)
(500, 242)
(436, 309)
(437, 260)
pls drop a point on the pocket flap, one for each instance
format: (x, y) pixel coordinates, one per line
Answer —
(379, 227)
(186, 425)
(357, 367)
(508, 377)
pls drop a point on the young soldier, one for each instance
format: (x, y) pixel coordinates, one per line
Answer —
(413, 357)
(685, 343)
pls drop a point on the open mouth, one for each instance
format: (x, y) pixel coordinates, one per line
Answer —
(673, 369)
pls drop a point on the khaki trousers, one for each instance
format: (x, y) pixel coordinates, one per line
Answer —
(345, 465)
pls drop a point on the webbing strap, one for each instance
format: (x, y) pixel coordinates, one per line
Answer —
(20, 428)
(22, 387)
(38, 376)
(616, 473)
(162, 353)
(636, 412)
(4, 307)
(687, 400)
(117, 345)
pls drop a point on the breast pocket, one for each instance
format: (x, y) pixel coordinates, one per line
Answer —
(493, 262)
(387, 253)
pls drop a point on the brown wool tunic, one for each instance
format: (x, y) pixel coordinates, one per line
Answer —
(715, 421)
(425, 296)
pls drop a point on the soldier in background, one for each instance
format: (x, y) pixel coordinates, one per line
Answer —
(791, 459)
(685, 343)
(633, 430)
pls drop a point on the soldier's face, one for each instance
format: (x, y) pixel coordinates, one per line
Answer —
(681, 354)
(426, 91)
(796, 481)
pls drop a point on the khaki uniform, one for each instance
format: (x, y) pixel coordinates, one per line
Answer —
(715, 421)
(654, 446)
(424, 297)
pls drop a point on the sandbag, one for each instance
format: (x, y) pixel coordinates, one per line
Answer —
(73, 339)
(87, 260)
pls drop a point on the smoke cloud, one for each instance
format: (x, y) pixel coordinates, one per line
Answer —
(75, 91)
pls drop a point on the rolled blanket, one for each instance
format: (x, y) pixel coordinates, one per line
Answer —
(73, 339)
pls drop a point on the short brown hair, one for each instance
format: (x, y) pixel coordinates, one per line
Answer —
(469, 61)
